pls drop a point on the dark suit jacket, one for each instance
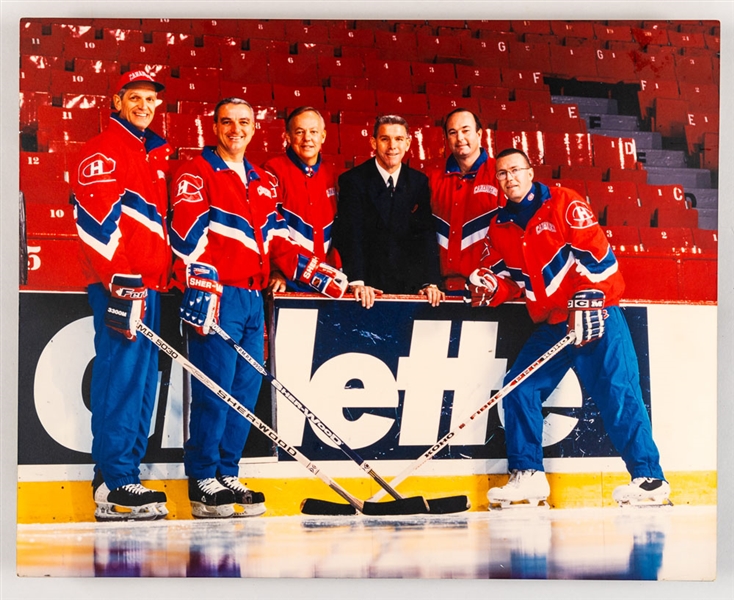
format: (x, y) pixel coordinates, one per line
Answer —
(390, 244)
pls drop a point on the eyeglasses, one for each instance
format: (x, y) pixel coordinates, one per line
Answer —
(502, 175)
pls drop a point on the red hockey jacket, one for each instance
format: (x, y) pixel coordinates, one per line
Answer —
(120, 205)
(463, 206)
(561, 251)
(307, 202)
(237, 229)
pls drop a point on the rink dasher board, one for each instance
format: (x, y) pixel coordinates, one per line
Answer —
(383, 401)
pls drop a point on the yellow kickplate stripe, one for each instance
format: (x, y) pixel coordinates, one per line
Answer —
(71, 501)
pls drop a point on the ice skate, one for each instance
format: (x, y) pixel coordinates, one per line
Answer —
(525, 489)
(248, 503)
(643, 491)
(131, 502)
(210, 499)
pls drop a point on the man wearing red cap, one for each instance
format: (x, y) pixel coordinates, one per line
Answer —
(120, 205)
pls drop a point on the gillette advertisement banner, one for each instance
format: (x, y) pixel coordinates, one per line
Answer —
(389, 381)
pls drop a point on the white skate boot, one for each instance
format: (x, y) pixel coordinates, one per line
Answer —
(248, 503)
(643, 491)
(131, 502)
(527, 489)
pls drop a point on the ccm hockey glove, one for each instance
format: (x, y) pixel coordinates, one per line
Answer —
(480, 287)
(323, 278)
(200, 304)
(126, 305)
(586, 316)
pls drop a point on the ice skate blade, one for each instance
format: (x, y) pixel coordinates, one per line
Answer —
(540, 505)
(202, 511)
(248, 510)
(652, 503)
(111, 512)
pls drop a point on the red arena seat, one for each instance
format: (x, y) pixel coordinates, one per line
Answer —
(568, 149)
(392, 75)
(530, 57)
(624, 239)
(667, 240)
(490, 53)
(614, 152)
(478, 76)
(406, 104)
(257, 94)
(294, 70)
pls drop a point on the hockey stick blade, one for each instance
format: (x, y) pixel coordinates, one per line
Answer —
(449, 505)
(416, 505)
(314, 506)
(407, 506)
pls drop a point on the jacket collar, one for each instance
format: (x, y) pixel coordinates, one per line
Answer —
(521, 212)
(452, 166)
(148, 138)
(308, 171)
(217, 164)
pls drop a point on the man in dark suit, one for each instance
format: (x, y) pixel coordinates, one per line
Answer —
(384, 228)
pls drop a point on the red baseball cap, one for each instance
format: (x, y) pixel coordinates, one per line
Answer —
(133, 76)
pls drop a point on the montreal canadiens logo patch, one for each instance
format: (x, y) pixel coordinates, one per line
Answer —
(188, 188)
(579, 215)
(96, 168)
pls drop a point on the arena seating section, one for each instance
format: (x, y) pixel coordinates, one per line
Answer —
(625, 112)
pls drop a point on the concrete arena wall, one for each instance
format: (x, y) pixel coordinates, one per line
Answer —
(411, 387)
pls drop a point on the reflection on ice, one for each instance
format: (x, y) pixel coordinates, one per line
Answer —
(635, 544)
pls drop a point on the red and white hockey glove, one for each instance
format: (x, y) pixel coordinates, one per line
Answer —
(586, 316)
(200, 304)
(480, 287)
(323, 278)
(126, 305)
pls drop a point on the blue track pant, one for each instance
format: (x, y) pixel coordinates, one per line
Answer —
(607, 368)
(124, 385)
(217, 433)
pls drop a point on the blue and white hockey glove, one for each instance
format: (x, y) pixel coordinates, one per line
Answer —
(200, 304)
(480, 287)
(126, 305)
(586, 316)
(323, 278)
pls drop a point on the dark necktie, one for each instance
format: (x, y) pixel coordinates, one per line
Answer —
(391, 186)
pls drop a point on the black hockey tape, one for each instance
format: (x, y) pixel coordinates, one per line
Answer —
(416, 505)
(313, 506)
(452, 504)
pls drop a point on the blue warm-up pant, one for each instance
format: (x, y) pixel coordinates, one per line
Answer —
(123, 394)
(217, 433)
(607, 369)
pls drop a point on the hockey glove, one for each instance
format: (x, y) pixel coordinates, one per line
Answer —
(126, 305)
(200, 304)
(480, 287)
(323, 278)
(586, 316)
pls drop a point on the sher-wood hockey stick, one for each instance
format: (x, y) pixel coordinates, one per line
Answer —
(452, 504)
(328, 508)
(443, 442)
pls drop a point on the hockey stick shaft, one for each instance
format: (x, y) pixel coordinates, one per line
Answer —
(314, 420)
(260, 425)
(443, 442)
